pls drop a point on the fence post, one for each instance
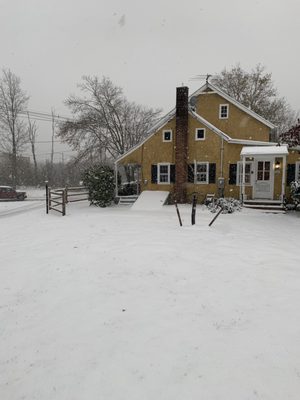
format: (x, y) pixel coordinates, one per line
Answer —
(47, 197)
(63, 198)
(66, 194)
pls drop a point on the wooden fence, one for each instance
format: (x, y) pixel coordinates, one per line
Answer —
(57, 199)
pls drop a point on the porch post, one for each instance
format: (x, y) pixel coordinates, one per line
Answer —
(116, 179)
(244, 178)
(283, 178)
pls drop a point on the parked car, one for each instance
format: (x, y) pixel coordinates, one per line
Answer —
(8, 193)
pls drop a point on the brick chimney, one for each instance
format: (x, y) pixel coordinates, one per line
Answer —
(181, 136)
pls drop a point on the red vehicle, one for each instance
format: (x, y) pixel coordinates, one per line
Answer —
(8, 193)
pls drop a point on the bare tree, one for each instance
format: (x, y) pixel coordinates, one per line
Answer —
(292, 136)
(32, 130)
(256, 91)
(13, 100)
(106, 124)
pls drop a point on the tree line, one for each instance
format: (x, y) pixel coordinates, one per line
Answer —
(105, 124)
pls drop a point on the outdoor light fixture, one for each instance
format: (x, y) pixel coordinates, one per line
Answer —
(277, 165)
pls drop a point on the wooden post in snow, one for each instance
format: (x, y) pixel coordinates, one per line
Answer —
(47, 197)
(178, 213)
(215, 217)
(194, 204)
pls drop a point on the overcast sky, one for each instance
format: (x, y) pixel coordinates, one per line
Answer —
(146, 47)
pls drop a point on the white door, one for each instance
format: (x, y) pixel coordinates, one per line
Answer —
(263, 185)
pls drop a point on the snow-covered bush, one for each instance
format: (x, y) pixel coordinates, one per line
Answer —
(229, 205)
(99, 179)
(295, 196)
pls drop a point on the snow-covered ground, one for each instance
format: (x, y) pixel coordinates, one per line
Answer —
(117, 304)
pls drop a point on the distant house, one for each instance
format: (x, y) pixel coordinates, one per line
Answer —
(212, 144)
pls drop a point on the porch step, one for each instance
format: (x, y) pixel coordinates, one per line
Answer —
(272, 205)
(127, 200)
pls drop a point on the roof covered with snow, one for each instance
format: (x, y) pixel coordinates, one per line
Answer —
(264, 150)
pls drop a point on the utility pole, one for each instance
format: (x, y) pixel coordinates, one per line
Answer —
(52, 144)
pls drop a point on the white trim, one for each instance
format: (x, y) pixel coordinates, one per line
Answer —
(195, 172)
(158, 173)
(196, 134)
(233, 101)
(239, 173)
(171, 135)
(267, 151)
(220, 111)
(163, 121)
(151, 132)
(264, 158)
(223, 135)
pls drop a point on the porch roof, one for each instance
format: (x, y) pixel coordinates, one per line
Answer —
(264, 150)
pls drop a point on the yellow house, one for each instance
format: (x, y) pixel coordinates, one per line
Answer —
(212, 144)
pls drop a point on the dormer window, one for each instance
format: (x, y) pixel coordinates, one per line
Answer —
(167, 136)
(223, 111)
(200, 134)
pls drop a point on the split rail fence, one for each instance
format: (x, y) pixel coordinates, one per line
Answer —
(57, 199)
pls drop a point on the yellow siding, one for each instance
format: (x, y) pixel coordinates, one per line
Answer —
(212, 150)
(239, 124)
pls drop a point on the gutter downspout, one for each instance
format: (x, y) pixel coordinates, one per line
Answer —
(222, 157)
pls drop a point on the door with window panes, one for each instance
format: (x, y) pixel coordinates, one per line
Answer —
(264, 177)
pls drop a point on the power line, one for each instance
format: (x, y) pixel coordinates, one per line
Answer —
(55, 152)
(41, 114)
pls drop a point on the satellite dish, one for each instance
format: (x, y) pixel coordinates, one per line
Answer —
(193, 101)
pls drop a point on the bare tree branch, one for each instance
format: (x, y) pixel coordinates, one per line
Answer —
(13, 133)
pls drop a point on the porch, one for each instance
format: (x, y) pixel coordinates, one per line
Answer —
(263, 174)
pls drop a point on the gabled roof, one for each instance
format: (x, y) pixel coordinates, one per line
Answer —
(150, 133)
(220, 92)
(227, 137)
(206, 123)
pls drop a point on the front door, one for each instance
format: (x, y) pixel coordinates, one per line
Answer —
(263, 186)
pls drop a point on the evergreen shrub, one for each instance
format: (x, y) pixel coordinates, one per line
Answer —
(100, 182)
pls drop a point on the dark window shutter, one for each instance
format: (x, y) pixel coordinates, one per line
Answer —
(291, 173)
(172, 173)
(153, 173)
(232, 174)
(191, 173)
(212, 173)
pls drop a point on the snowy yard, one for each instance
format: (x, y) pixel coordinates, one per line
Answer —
(116, 304)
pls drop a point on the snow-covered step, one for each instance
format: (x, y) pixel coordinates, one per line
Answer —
(264, 205)
(127, 200)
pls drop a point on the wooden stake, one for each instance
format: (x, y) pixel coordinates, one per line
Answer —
(178, 213)
(194, 204)
(47, 197)
(215, 217)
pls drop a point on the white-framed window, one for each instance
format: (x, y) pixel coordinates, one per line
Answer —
(200, 134)
(163, 173)
(167, 135)
(201, 172)
(223, 111)
(297, 177)
(248, 173)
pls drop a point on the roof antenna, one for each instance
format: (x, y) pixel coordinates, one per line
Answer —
(202, 77)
